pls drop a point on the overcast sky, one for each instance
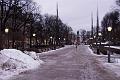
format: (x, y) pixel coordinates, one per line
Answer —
(77, 13)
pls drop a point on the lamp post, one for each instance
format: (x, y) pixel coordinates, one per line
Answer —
(51, 40)
(100, 34)
(63, 42)
(6, 31)
(64, 39)
(91, 41)
(99, 39)
(34, 35)
(109, 30)
(59, 41)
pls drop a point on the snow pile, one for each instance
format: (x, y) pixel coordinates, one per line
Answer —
(32, 54)
(13, 59)
(13, 62)
(3, 58)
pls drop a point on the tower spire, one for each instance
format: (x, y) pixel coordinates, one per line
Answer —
(57, 27)
(57, 11)
(97, 27)
(91, 24)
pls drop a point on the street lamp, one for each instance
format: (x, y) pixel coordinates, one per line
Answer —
(34, 35)
(91, 40)
(64, 41)
(59, 41)
(51, 37)
(99, 39)
(6, 31)
(109, 30)
(100, 34)
(94, 37)
(51, 41)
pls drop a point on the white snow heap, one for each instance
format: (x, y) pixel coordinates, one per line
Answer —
(32, 54)
(18, 59)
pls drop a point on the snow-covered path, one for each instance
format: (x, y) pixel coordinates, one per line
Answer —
(69, 64)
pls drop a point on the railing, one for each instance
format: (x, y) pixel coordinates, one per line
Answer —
(105, 49)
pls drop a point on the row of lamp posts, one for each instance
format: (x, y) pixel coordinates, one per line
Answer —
(109, 30)
(59, 39)
(7, 31)
(34, 35)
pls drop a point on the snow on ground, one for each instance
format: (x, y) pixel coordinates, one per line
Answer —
(52, 51)
(13, 62)
(91, 52)
(115, 47)
(114, 66)
(107, 42)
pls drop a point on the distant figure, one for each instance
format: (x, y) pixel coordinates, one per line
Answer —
(76, 46)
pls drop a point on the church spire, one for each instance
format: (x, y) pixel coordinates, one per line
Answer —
(97, 25)
(91, 24)
(57, 12)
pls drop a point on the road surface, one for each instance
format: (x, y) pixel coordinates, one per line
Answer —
(69, 64)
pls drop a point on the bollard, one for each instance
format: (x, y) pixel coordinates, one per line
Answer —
(98, 51)
(108, 52)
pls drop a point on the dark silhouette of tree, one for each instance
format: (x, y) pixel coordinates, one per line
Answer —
(23, 18)
(83, 34)
(111, 19)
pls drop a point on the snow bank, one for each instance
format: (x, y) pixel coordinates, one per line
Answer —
(14, 61)
(32, 54)
(19, 57)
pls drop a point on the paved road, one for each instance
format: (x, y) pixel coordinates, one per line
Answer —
(69, 64)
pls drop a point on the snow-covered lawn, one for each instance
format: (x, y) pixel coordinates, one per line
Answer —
(13, 61)
(114, 66)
